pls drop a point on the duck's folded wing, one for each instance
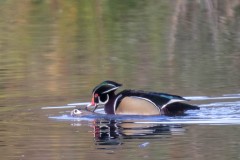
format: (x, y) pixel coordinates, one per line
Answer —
(168, 96)
(159, 99)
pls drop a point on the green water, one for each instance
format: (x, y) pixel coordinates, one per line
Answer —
(54, 52)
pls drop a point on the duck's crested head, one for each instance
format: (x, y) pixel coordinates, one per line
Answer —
(100, 94)
(106, 87)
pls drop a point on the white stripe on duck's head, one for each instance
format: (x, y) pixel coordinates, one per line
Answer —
(100, 94)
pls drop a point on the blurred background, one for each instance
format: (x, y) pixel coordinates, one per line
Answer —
(54, 52)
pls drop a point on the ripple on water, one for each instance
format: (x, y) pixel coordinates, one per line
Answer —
(227, 112)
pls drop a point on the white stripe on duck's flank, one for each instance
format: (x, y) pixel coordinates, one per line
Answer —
(115, 103)
(172, 101)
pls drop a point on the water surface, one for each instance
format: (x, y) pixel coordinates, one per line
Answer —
(53, 53)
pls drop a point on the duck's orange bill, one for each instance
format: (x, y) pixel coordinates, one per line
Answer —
(92, 103)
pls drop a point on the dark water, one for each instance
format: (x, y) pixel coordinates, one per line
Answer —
(53, 53)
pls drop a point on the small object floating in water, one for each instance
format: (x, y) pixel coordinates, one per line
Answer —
(136, 102)
(76, 112)
(80, 112)
(143, 145)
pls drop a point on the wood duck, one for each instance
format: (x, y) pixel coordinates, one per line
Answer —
(137, 102)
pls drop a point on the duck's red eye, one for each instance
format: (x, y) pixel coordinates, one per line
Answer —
(96, 95)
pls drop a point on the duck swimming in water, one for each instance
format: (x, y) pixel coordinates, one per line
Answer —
(137, 102)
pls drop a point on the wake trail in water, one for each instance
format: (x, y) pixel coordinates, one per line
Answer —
(224, 112)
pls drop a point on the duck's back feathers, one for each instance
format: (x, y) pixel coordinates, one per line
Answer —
(160, 99)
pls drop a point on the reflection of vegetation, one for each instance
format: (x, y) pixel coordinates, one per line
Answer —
(54, 50)
(63, 48)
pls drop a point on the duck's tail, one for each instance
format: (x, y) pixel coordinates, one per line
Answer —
(178, 108)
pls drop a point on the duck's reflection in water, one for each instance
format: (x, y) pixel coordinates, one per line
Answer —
(111, 132)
